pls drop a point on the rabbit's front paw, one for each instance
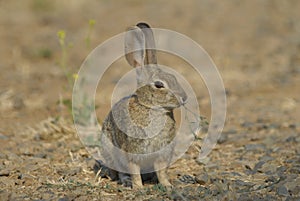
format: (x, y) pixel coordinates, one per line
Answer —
(166, 184)
(136, 180)
(163, 179)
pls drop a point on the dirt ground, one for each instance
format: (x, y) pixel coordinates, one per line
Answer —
(256, 47)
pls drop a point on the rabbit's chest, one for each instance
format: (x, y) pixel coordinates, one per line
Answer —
(145, 140)
(137, 129)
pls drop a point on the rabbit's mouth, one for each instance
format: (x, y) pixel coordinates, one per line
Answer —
(172, 107)
(176, 104)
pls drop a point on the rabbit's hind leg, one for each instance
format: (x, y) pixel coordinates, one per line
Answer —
(125, 179)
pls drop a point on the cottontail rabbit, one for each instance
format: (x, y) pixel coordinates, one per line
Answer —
(143, 123)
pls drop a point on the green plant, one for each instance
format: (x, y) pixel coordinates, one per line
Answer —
(64, 53)
(45, 53)
(92, 23)
(63, 63)
(42, 6)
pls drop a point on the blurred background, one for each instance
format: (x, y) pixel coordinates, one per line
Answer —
(255, 45)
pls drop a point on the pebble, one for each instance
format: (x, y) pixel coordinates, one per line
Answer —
(4, 173)
(274, 126)
(236, 174)
(258, 165)
(18, 103)
(255, 147)
(3, 137)
(282, 191)
(281, 170)
(40, 155)
(223, 138)
(266, 158)
(268, 168)
(239, 182)
(63, 199)
(5, 195)
(202, 179)
(261, 126)
(25, 179)
(295, 170)
(2, 156)
(247, 124)
(291, 139)
(37, 137)
(203, 161)
(75, 171)
(230, 131)
(187, 179)
(292, 188)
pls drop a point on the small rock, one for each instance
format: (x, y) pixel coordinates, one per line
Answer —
(288, 104)
(2, 156)
(236, 174)
(175, 196)
(268, 168)
(272, 179)
(245, 197)
(176, 182)
(26, 179)
(291, 139)
(266, 158)
(187, 179)
(293, 126)
(274, 126)
(243, 183)
(37, 137)
(3, 137)
(68, 172)
(292, 186)
(202, 179)
(261, 126)
(255, 147)
(295, 170)
(63, 199)
(258, 165)
(293, 160)
(223, 138)
(248, 167)
(230, 131)
(5, 195)
(18, 103)
(247, 124)
(40, 155)
(74, 171)
(203, 161)
(281, 169)
(282, 191)
(4, 173)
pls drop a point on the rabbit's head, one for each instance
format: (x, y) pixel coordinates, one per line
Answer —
(156, 88)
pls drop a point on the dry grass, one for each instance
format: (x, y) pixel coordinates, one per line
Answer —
(255, 45)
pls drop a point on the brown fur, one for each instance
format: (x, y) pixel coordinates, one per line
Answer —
(143, 123)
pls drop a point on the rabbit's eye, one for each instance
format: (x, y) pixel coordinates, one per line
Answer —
(159, 84)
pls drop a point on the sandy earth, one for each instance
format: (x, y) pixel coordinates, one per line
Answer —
(254, 44)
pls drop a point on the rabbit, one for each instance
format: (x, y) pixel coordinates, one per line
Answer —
(143, 122)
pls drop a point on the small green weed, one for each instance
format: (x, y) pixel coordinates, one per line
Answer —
(63, 63)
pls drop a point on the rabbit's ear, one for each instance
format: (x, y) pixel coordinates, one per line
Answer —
(150, 57)
(135, 47)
